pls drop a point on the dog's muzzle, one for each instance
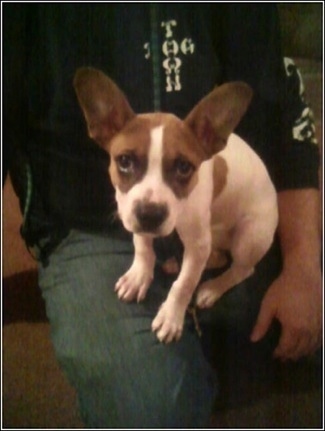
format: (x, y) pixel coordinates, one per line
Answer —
(150, 216)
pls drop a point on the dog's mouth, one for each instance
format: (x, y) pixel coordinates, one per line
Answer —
(153, 233)
(154, 223)
(164, 229)
(148, 218)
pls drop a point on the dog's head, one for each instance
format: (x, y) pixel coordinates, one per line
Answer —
(154, 158)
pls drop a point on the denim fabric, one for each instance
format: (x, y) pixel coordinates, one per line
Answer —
(123, 376)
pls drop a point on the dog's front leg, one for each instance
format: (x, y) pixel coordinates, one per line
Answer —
(169, 322)
(136, 281)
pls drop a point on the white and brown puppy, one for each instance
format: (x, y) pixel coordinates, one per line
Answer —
(195, 176)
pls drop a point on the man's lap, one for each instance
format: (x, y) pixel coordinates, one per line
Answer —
(106, 345)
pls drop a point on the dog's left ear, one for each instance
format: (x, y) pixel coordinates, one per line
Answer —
(105, 107)
(215, 117)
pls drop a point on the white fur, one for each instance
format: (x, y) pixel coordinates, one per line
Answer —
(244, 216)
(152, 187)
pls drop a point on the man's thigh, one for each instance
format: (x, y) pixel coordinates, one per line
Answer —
(123, 376)
(245, 369)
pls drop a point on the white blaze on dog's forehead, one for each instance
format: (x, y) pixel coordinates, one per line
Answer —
(152, 186)
(155, 151)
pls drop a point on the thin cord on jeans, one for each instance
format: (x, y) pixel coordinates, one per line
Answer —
(155, 56)
(28, 199)
(27, 205)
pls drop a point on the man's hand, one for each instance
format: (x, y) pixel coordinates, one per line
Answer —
(295, 300)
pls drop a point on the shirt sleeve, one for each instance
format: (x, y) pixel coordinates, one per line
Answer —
(279, 124)
(298, 164)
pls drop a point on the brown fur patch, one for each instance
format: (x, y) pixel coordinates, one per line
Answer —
(132, 141)
(180, 146)
(220, 172)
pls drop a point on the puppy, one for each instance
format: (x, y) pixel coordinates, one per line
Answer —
(193, 175)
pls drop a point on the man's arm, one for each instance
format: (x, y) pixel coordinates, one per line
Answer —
(295, 298)
(253, 53)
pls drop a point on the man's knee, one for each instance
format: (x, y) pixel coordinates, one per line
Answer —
(140, 383)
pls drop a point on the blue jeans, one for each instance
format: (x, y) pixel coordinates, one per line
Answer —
(123, 376)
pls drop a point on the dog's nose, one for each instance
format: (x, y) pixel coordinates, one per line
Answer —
(150, 216)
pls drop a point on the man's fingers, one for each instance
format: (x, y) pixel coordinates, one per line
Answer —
(295, 344)
(289, 345)
(263, 322)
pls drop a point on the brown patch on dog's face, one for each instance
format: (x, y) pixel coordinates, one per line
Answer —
(182, 157)
(129, 154)
(220, 172)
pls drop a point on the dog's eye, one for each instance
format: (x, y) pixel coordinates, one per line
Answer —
(125, 163)
(183, 168)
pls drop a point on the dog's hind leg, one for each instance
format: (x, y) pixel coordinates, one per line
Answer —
(251, 241)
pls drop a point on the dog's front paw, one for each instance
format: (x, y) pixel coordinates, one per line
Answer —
(207, 294)
(169, 322)
(134, 283)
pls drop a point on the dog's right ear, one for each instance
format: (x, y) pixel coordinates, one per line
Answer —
(104, 106)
